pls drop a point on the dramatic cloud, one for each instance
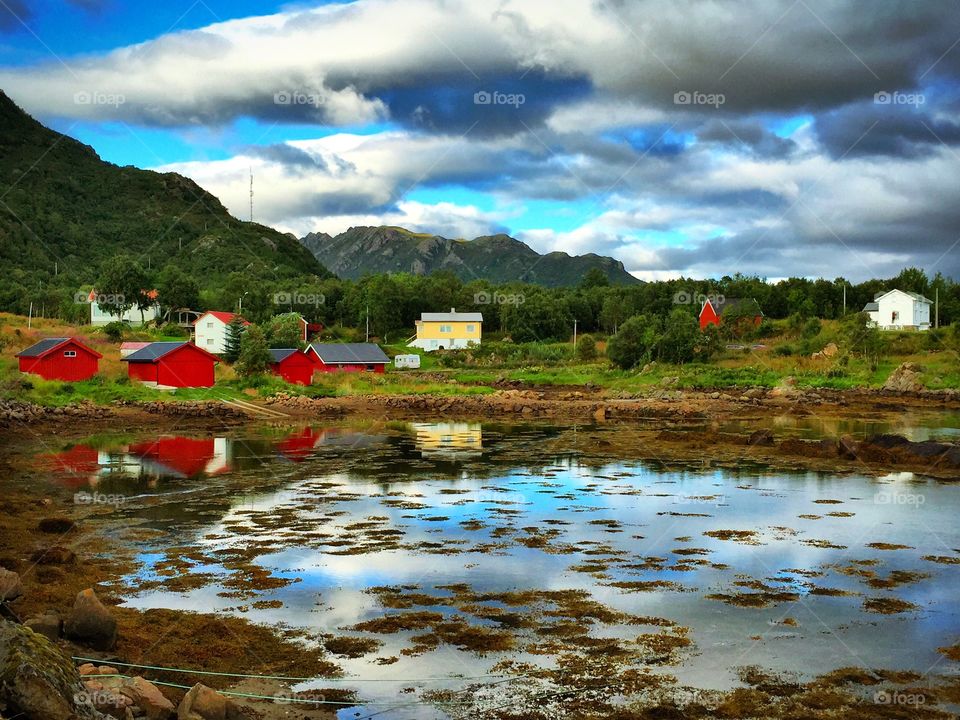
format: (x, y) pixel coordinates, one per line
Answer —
(770, 136)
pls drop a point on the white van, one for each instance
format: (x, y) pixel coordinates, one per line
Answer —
(406, 361)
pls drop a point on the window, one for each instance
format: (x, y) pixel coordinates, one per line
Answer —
(209, 324)
(471, 328)
(895, 316)
(369, 368)
(69, 353)
(445, 329)
(209, 341)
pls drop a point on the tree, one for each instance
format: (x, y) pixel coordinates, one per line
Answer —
(637, 341)
(176, 290)
(860, 335)
(680, 337)
(232, 343)
(594, 277)
(254, 352)
(285, 331)
(120, 285)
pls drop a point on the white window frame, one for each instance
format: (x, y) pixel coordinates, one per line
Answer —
(70, 353)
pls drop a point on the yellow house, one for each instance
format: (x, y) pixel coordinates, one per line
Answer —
(446, 331)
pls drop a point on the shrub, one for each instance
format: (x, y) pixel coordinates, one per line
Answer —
(784, 350)
(635, 342)
(586, 348)
(810, 329)
(171, 329)
(254, 353)
(114, 331)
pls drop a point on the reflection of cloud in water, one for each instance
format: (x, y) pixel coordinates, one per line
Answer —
(449, 439)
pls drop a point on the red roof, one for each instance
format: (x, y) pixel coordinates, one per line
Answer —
(224, 317)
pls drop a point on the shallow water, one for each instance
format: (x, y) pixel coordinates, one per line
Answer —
(339, 510)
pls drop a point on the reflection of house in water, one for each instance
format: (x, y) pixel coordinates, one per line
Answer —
(182, 457)
(449, 440)
(300, 445)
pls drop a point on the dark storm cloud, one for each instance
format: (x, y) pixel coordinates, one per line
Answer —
(13, 15)
(748, 134)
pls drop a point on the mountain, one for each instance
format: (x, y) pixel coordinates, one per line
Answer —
(64, 210)
(498, 258)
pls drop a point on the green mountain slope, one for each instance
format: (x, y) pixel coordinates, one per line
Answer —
(64, 210)
(498, 258)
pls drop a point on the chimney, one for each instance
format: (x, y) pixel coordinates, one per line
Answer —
(452, 310)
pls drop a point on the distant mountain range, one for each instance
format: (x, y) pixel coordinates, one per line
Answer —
(64, 210)
(498, 258)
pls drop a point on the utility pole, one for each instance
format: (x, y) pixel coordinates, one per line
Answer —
(574, 333)
(936, 308)
(30, 316)
(844, 297)
(251, 194)
(368, 324)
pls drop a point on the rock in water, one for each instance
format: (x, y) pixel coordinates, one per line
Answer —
(91, 623)
(37, 682)
(906, 378)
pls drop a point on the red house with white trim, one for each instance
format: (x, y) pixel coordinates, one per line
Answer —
(292, 365)
(60, 359)
(172, 364)
(348, 357)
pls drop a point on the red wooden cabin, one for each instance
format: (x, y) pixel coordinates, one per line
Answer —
(292, 365)
(714, 308)
(60, 359)
(172, 364)
(349, 357)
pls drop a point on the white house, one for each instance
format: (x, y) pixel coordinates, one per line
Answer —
(899, 310)
(210, 331)
(100, 316)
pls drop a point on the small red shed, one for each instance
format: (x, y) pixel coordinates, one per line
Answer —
(292, 365)
(172, 364)
(714, 309)
(349, 357)
(60, 359)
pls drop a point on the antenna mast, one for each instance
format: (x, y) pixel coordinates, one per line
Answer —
(251, 194)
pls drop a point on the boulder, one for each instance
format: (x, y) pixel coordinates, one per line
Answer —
(148, 698)
(56, 525)
(91, 623)
(600, 414)
(203, 703)
(37, 681)
(906, 378)
(48, 625)
(56, 555)
(830, 350)
(10, 586)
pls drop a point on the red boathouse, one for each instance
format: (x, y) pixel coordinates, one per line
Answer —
(292, 365)
(60, 359)
(172, 364)
(349, 357)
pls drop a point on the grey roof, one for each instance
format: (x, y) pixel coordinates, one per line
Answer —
(344, 353)
(921, 298)
(281, 354)
(915, 296)
(41, 347)
(721, 305)
(153, 351)
(451, 317)
(871, 307)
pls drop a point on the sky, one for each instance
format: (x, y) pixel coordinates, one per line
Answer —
(778, 138)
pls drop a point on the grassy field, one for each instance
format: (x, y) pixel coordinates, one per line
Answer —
(545, 365)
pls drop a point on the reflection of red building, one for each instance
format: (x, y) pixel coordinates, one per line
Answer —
(60, 359)
(178, 455)
(292, 365)
(78, 464)
(299, 446)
